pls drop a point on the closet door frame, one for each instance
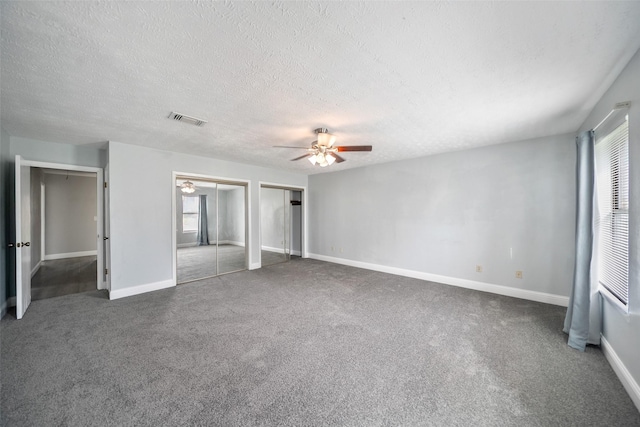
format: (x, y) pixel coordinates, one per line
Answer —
(278, 186)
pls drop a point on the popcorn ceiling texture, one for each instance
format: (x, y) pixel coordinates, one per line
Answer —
(412, 79)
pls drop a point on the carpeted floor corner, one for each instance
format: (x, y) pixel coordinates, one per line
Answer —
(302, 343)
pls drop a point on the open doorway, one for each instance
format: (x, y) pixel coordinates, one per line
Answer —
(64, 253)
(210, 227)
(58, 217)
(280, 224)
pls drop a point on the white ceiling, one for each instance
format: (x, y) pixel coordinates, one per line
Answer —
(410, 78)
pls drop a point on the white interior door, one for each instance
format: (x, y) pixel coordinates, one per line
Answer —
(23, 237)
(105, 238)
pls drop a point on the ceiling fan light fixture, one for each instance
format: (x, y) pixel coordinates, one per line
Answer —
(187, 187)
(313, 159)
(326, 139)
(330, 159)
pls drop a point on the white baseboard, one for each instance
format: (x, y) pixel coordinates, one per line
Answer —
(140, 289)
(621, 371)
(296, 253)
(69, 255)
(255, 266)
(463, 283)
(36, 268)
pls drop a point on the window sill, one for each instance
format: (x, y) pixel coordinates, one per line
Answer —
(624, 309)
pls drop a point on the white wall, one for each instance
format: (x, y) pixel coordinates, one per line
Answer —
(620, 330)
(70, 214)
(505, 207)
(274, 213)
(141, 240)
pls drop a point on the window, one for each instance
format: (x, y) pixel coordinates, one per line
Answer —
(612, 215)
(190, 213)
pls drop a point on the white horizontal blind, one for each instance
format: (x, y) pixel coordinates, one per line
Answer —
(612, 184)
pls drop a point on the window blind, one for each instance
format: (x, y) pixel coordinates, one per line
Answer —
(612, 219)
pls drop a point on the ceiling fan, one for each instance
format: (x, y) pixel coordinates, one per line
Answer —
(323, 152)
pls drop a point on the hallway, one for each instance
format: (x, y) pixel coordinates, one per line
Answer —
(63, 277)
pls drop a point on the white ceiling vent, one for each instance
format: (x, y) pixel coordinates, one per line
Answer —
(187, 119)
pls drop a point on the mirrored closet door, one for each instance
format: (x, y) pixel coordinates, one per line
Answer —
(210, 228)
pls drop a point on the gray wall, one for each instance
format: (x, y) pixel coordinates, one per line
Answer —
(36, 214)
(141, 240)
(5, 207)
(506, 207)
(70, 212)
(620, 330)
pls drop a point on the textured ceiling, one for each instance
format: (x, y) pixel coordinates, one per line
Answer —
(412, 79)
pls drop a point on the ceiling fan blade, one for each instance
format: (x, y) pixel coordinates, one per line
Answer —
(338, 158)
(342, 148)
(302, 157)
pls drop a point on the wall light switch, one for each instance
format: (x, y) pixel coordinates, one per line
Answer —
(478, 269)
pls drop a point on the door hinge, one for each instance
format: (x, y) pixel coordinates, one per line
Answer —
(106, 271)
(105, 185)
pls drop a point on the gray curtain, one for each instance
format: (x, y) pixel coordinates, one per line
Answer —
(203, 226)
(583, 319)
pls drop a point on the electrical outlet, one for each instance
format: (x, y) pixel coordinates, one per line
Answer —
(518, 274)
(332, 249)
(478, 269)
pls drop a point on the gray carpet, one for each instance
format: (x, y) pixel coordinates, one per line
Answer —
(64, 276)
(197, 262)
(303, 343)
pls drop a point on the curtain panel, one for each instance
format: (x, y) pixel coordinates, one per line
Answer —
(583, 321)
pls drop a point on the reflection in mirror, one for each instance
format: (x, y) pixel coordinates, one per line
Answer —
(231, 239)
(196, 231)
(210, 229)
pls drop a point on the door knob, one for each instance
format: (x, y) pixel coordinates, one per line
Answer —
(11, 245)
(26, 244)
(106, 238)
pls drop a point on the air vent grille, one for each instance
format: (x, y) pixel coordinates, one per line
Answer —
(187, 119)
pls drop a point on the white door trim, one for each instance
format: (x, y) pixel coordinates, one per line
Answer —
(99, 207)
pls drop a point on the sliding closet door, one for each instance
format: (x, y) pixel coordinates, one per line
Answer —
(274, 225)
(196, 231)
(231, 228)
